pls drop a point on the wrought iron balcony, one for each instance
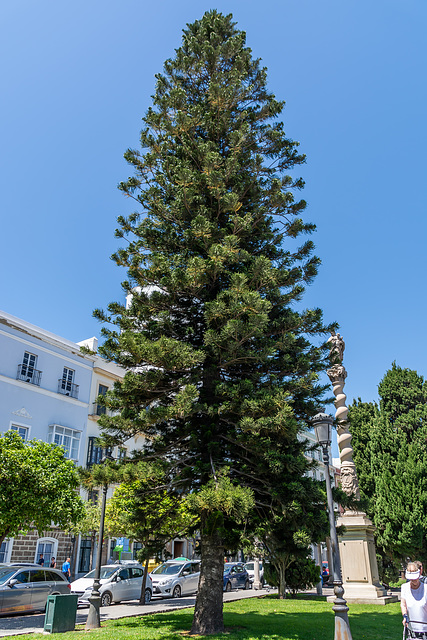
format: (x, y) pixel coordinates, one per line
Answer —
(28, 374)
(68, 388)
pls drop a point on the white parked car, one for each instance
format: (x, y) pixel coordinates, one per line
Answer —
(250, 568)
(118, 582)
(176, 578)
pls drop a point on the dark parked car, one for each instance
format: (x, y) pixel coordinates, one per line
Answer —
(26, 587)
(235, 577)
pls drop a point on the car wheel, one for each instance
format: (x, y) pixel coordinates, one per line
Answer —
(176, 593)
(147, 597)
(228, 586)
(106, 599)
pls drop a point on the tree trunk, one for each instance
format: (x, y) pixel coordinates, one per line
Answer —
(208, 617)
(282, 580)
(144, 582)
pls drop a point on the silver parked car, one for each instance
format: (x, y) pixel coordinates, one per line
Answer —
(118, 582)
(176, 578)
(26, 588)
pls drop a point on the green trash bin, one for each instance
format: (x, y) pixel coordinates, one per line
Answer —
(61, 613)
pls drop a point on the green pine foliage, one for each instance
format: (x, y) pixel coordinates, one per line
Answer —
(390, 452)
(223, 366)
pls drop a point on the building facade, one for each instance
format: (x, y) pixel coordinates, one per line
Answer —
(48, 391)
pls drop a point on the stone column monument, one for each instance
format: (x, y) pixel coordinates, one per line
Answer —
(357, 547)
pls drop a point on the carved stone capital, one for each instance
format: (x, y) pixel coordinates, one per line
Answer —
(337, 373)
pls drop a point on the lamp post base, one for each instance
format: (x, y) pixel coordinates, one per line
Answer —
(342, 629)
(342, 626)
(93, 617)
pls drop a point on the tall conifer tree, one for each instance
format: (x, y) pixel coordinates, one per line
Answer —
(223, 367)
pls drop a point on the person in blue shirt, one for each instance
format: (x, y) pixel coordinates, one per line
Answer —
(66, 569)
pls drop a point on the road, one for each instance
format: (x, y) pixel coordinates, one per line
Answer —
(27, 623)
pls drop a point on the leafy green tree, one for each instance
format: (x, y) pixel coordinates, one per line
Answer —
(142, 511)
(390, 447)
(38, 486)
(221, 361)
(302, 574)
(288, 533)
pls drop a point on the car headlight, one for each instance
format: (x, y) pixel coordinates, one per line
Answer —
(163, 582)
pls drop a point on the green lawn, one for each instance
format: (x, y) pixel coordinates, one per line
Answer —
(263, 618)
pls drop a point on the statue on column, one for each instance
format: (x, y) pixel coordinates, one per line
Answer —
(337, 375)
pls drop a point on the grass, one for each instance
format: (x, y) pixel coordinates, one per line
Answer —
(265, 618)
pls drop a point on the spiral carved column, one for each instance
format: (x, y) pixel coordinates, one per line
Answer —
(349, 483)
(356, 545)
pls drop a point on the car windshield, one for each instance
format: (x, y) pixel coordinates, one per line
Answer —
(106, 572)
(250, 566)
(228, 566)
(167, 569)
(6, 573)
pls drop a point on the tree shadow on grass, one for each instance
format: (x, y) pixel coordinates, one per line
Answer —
(367, 623)
(244, 626)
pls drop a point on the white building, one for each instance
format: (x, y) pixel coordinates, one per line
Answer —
(48, 390)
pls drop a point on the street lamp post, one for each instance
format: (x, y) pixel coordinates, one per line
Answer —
(322, 424)
(93, 618)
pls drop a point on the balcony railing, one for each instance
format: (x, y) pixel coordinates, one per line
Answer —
(68, 388)
(98, 409)
(28, 374)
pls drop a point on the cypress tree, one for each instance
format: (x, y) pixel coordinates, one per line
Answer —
(222, 363)
(390, 452)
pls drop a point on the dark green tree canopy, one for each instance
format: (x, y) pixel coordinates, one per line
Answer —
(223, 366)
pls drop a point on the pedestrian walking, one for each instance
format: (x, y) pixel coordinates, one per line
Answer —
(41, 560)
(52, 563)
(66, 569)
(413, 602)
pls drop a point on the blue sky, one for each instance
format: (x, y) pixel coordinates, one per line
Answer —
(77, 78)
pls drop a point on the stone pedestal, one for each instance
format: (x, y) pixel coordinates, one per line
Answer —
(359, 562)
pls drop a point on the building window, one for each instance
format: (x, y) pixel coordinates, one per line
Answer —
(46, 548)
(93, 496)
(137, 546)
(20, 430)
(99, 408)
(95, 453)
(85, 551)
(27, 369)
(121, 453)
(67, 438)
(66, 384)
(6, 550)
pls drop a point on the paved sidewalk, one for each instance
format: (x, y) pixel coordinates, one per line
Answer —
(23, 624)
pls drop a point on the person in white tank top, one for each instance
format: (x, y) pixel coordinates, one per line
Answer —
(413, 601)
